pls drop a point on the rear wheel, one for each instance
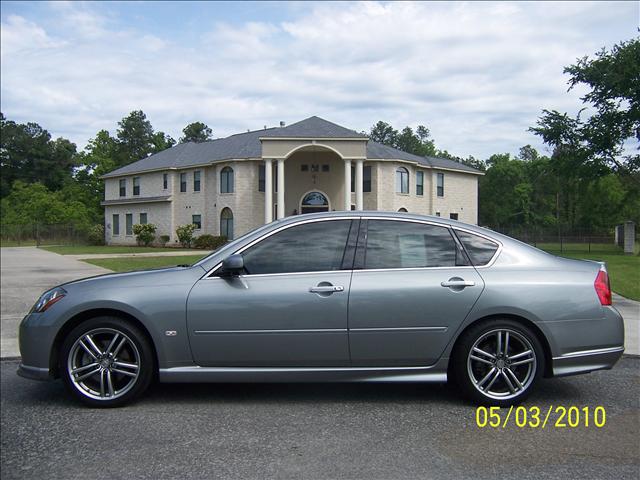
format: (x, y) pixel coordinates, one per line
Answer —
(106, 362)
(498, 362)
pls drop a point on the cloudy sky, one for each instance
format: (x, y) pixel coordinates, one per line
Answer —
(476, 74)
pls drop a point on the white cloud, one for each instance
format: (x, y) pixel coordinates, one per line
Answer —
(476, 74)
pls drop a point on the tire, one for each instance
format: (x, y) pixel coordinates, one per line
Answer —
(488, 375)
(106, 362)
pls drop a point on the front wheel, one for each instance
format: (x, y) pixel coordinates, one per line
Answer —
(498, 362)
(106, 362)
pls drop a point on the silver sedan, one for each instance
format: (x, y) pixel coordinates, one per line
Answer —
(350, 296)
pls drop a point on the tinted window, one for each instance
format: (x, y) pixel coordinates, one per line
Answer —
(393, 244)
(312, 247)
(480, 249)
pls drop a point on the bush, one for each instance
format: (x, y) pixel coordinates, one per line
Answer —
(95, 235)
(145, 233)
(185, 234)
(163, 239)
(209, 242)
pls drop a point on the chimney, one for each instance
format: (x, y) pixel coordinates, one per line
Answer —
(282, 124)
(265, 127)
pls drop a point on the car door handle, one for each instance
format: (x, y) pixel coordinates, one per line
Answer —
(457, 283)
(326, 289)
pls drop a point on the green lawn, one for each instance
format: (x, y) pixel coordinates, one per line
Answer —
(128, 264)
(16, 243)
(624, 270)
(89, 249)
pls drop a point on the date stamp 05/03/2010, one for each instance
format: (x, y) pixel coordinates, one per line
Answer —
(555, 416)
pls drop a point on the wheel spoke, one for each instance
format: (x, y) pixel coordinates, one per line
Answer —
(102, 374)
(123, 372)
(478, 359)
(120, 345)
(522, 362)
(110, 383)
(499, 346)
(495, 377)
(507, 381)
(506, 344)
(482, 352)
(87, 349)
(486, 377)
(126, 365)
(520, 355)
(93, 345)
(75, 371)
(113, 342)
(87, 375)
(515, 379)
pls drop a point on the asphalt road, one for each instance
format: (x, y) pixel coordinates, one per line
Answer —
(372, 431)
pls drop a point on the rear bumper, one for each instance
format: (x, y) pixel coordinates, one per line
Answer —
(34, 373)
(586, 361)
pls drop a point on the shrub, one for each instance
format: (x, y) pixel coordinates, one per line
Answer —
(95, 235)
(163, 239)
(185, 234)
(145, 233)
(209, 242)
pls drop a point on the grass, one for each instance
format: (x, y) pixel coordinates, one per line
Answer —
(17, 243)
(90, 249)
(624, 270)
(129, 264)
(571, 248)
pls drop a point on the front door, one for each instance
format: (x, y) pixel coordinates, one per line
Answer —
(411, 289)
(289, 308)
(314, 202)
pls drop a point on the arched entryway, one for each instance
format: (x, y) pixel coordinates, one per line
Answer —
(314, 202)
(226, 223)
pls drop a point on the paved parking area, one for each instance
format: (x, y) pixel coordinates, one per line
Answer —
(25, 273)
(315, 431)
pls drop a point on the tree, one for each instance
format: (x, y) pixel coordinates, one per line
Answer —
(384, 133)
(417, 143)
(196, 132)
(28, 154)
(135, 138)
(612, 104)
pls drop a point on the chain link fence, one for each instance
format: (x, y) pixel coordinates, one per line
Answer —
(43, 234)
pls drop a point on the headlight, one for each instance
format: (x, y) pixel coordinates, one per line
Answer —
(48, 298)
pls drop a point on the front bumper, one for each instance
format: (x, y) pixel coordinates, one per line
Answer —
(34, 373)
(586, 361)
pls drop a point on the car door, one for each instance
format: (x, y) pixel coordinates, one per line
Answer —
(411, 288)
(288, 308)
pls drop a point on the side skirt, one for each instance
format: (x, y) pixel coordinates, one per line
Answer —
(278, 374)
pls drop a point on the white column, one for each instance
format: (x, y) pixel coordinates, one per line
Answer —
(359, 182)
(347, 185)
(268, 191)
(281, 188)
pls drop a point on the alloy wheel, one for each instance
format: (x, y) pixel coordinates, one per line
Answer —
(502, 364)
(103, 364)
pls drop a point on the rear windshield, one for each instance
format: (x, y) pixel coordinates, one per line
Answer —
(481, 250)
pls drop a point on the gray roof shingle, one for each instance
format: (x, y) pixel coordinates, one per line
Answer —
(247, 145)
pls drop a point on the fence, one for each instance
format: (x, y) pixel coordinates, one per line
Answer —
(564, 240)
(43, 234)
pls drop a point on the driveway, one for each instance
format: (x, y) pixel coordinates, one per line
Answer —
(25, 273)
(315, 431)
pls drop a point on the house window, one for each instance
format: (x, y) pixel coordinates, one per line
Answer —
(261, 181)
(366, 179)
(453, 216)
(315, 167)
(419, 183)
(441, 184)
(402, 180)
(116, 225)
(183, 182)
(136, 185)
(123, 187)
(197, 221)
(165, 181)
(143, 218)
(325, 168)
(304, 168)
(437, 214)
(129, 224)
(226, 223)
(226, 180)
(196, 181)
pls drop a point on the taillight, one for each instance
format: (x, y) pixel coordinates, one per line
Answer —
(602, 288)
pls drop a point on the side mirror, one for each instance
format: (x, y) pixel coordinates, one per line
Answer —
(232, 265)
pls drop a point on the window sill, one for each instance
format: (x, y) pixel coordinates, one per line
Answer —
(403, 194)
(227, 193)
